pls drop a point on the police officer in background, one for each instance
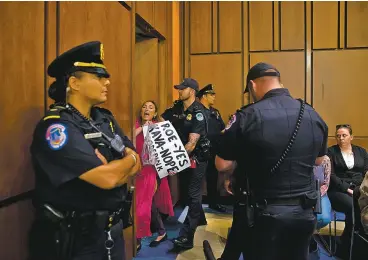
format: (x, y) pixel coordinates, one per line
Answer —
(274, 142)
(207, 97)
(82, 162)
(187, 116)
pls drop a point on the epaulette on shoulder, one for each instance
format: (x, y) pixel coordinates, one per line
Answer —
(104, 110)
(54, 112)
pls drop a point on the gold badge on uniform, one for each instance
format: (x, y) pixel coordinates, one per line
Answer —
(102, 54)
(189, 117)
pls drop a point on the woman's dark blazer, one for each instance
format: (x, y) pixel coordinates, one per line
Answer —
(341, 177)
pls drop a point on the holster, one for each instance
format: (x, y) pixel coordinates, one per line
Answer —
(309, 200)
(125, 214)
(64, 234)
(318, 207)
(245, 200)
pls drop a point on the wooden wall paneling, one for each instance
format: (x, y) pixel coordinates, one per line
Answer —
(146, 11)
(325, 25)
(230, 29)
(291, 66)
(160, 16)
(245, 51)
(342, 24)
(357, 20)
(128, 3)
(16, 221)
(260, 26)
(51, 42)
(308, 52)
(130, 233)
(22, 102)
(200, 27)
(276, 25)
(110, 23)
(339, 91)
(292, 25)
(162, 76)
(175, 65)
(145, 73)
(215, 26)
(186, 47)
(226, 75)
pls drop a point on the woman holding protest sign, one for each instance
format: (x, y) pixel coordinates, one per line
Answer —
(152, 193)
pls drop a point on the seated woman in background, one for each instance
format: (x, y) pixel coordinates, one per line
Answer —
(349, 164)
(322, 172)
(152, 193)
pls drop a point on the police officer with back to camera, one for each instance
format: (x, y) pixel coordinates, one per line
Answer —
(82, 162)
(274, 142)
(187, 116)
(207, 96)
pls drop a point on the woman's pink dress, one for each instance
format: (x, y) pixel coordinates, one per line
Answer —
(147, 191)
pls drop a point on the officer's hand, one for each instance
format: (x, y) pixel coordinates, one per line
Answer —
(100, 156)
(350, 191)
(227, 185)
(129, 151)
(171, 173)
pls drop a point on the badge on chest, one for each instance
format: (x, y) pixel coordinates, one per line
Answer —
(93, 135)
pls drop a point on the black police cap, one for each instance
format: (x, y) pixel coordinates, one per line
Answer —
(188, 83)
(208, 89)
(87, 57)
(260, 70)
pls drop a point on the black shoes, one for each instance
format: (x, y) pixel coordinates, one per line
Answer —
(183, 242)
(217, 207)
(155, 243)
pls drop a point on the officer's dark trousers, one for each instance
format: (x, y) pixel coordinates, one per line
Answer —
(280, 233)
(238, 233)
(191, 189)
(211, 179)
(89, 241)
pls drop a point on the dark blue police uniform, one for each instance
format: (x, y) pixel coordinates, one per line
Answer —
(215, 126)
(185, 122)
(74, 218)
(255, 138)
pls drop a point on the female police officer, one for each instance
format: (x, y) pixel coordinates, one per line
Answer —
(82, 161)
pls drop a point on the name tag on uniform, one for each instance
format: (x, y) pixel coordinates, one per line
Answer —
(93, 135)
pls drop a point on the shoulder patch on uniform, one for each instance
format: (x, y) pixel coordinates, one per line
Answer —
(199, 116)
(231, 121)
(56, 136)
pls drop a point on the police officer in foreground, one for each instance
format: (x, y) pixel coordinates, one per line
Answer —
(274, 142)
(187, 116)
(207, 97)
(82, 162)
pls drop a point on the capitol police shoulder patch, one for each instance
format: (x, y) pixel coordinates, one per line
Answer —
(56, 136)
(199, 117)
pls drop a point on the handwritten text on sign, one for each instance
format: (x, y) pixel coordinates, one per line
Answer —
(169, 152)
